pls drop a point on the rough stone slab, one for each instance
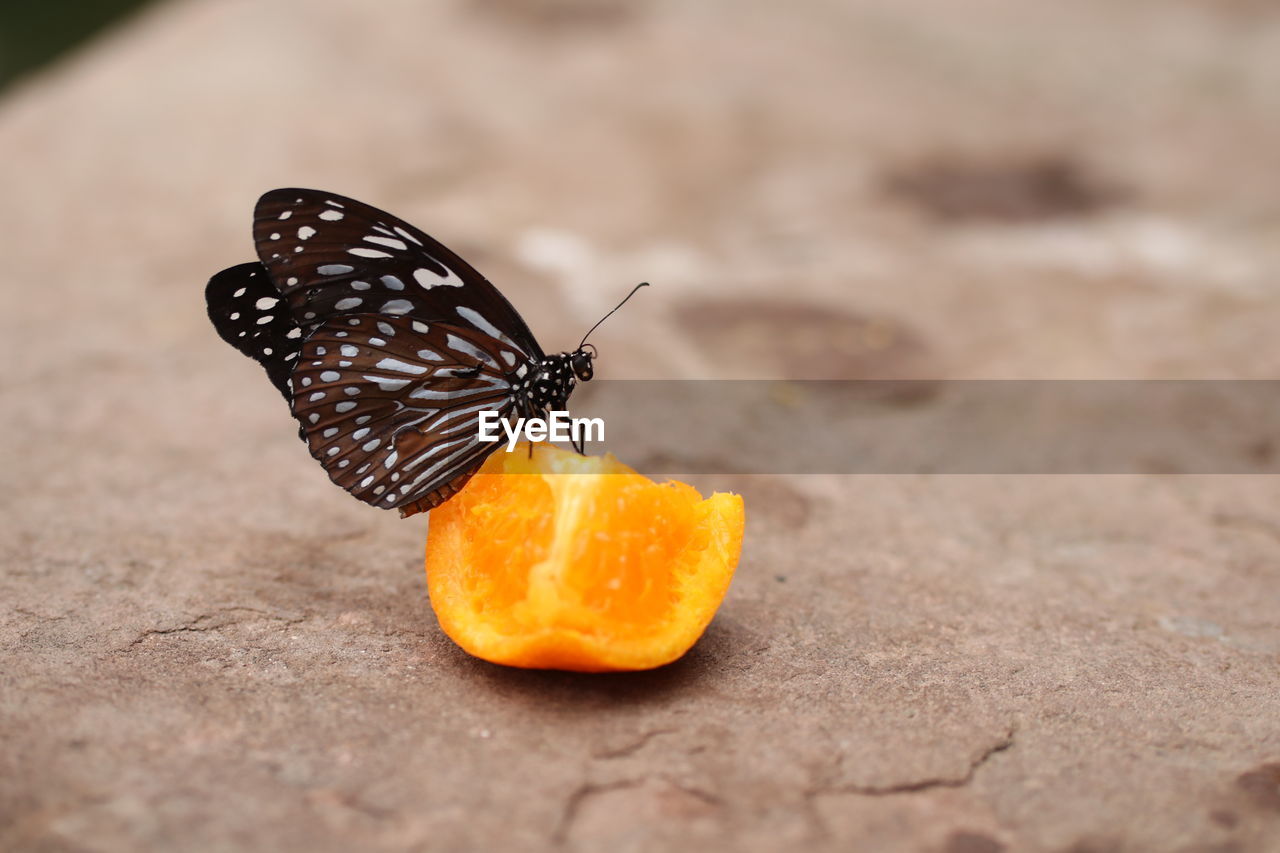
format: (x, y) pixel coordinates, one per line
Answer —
(207, 646)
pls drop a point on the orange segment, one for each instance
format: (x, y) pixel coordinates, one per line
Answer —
(577, 562)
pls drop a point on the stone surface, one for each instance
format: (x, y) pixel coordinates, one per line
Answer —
(208, 646)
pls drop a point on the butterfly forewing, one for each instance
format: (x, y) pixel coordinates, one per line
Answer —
(332, 255)
(390, 405)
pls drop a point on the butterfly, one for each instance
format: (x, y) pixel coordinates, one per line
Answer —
(386, 345)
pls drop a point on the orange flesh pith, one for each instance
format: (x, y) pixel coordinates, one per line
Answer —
(574, 562)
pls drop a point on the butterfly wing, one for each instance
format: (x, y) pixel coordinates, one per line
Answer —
(251, 315)
(386, 343)
(390, 405)
(331, 255)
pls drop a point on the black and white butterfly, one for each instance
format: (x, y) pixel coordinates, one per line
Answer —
(386, 344)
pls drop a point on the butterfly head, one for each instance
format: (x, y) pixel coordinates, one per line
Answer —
(580, 362)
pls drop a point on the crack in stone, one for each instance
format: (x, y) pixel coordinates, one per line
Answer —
(574, 803)
(209, 622)
(579, 795)
(631, 748)
(999, 746)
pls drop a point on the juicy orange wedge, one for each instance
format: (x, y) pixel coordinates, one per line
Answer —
(562, 561)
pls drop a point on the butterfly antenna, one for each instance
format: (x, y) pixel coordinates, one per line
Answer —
(610, 314)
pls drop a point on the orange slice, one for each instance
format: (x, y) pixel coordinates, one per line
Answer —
(577, 562)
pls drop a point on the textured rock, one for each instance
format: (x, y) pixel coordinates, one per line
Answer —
(207, 646)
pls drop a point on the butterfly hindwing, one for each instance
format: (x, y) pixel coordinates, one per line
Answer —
(251, 315)
(390, 405)
(332, 255)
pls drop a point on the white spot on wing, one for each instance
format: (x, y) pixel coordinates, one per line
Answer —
(397, 306)
(330, 215)
(466, 347)
(334, 269)
(427, 393)
(361, 252)
(348, 303)
(389, 384)
(400, 366)
(390, 242)
(391, 282)
(405, 234)
(478, 320)
(306, 232)
(428, 279)
(265, 302)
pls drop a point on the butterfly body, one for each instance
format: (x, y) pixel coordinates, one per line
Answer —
(386, 345)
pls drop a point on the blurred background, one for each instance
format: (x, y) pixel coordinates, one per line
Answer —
(203, 626)
(842, 190)
(33, 35)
